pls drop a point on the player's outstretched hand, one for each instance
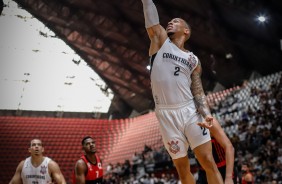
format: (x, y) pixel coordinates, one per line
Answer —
(208, 123)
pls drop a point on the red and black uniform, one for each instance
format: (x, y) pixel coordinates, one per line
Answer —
(94, 174)
(219, 158)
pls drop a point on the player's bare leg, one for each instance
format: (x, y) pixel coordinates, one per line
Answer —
(183, 168)
(205, 157)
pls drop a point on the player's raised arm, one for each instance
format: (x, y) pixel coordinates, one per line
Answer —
(156, 32)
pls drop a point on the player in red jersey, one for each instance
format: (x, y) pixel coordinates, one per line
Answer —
(223, 154)
(88, 169)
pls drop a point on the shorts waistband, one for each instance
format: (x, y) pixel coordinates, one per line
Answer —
(173, 106)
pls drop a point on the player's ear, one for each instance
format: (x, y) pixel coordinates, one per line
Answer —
(29, 150)
(42, 149)
(187, 31)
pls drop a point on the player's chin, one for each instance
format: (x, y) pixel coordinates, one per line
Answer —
(169, 33)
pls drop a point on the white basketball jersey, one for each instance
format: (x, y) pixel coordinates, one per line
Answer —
(36, 175)
(171, 70)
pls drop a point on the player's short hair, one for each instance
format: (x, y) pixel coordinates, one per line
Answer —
(36, 139)
(84, 138)
(188, 26)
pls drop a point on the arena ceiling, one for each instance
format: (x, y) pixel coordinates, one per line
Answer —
(110, 36)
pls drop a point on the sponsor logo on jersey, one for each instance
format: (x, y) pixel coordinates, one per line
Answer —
(43, 169)
(89, 166)
(190, 62)
(35, 177)
(99, 165)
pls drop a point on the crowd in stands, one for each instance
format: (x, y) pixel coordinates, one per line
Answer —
(258, 136)
(251, 116)
(142, 168)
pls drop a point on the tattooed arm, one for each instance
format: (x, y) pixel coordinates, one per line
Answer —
(200, 98)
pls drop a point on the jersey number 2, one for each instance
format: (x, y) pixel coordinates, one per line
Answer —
(204, 130)
(177, 70)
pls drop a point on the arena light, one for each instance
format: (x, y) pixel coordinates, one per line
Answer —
(228, 56)
(261, 18)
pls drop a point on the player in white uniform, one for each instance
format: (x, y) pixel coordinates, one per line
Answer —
(37, 169)
(39, 174)
(180, 101)
(174, 100)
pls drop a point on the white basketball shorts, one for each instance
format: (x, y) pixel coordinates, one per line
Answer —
(179, 129)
